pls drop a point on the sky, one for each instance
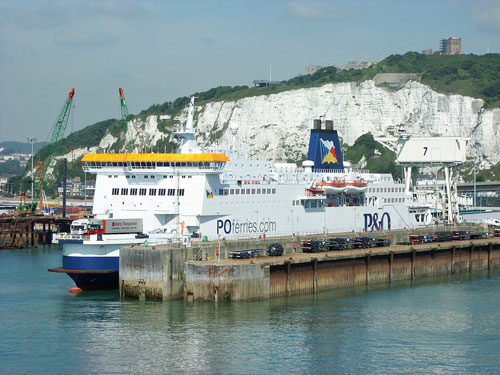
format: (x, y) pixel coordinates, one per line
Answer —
(158, 50)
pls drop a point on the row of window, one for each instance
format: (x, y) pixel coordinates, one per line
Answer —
(246, 191)
(147, 176)
(150, 192)
(394, 200)
(385, 190)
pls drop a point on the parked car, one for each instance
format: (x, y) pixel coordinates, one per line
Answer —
(442, 236)
(460, 235)
(339, 243)
(419, 239)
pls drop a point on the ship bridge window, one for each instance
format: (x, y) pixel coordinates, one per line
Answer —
(248, 191)
(231, 192)
(180, 192)
(242, 191)
(226, 191)
(237, 191)
(115, 191)
(146, 176)
(183, 176)
(313, 204)
(161, 191)
(133, 191)
(274, 191)
(152, 192)
(133, 176)
(124, 191)
(142, 191)
(221, 191)
(109, 176)
(171, 192)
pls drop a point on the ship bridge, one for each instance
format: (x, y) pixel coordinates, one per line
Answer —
(163, 163)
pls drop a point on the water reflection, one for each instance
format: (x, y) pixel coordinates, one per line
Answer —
(437, 325)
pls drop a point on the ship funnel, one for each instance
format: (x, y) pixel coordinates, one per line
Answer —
(317, 124)
(324, 147)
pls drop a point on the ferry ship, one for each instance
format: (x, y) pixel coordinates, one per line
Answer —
(222, 194)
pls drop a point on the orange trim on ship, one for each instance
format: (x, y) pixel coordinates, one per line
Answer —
(155, 157)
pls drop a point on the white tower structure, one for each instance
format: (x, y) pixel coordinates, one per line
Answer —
(442, 152)
(187, 134)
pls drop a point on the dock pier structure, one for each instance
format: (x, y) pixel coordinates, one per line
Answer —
(167, 272)
(22, 231)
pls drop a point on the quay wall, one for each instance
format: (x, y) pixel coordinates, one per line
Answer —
(237, 282)
(148, 273)
(166, 272)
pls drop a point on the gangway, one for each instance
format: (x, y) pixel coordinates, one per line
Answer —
(434, 152)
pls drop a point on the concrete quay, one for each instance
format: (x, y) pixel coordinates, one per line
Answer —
(168, 272)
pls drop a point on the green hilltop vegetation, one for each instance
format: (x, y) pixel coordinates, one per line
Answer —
(469, 75)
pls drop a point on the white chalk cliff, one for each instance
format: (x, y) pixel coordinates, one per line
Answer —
(276, 127)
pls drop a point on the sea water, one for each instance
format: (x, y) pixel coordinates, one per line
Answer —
(442, 325)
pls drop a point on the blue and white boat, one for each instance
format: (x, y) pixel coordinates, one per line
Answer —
(215, 193)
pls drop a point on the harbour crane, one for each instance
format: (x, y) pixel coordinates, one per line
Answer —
(57, 133)
(123, 105)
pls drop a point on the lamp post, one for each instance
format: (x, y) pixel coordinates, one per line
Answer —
(32, 140)
(218, 239)
(474, 185)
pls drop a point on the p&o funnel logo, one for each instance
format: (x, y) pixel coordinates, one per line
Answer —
(210, 194)
(328, 154)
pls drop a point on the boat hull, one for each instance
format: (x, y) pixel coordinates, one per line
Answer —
(94, 264)
(91, 272)
(95, 281)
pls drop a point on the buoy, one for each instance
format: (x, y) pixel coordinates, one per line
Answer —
(76, 290)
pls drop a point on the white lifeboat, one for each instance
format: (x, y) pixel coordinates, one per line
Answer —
(355, 187)
(333, 187)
